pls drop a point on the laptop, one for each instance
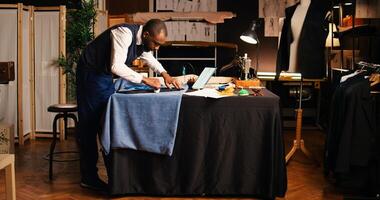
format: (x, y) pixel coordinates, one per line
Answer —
(204, 78)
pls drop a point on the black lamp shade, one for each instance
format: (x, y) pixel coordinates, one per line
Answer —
(250, 35)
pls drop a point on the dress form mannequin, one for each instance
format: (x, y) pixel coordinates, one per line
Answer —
(297, 22)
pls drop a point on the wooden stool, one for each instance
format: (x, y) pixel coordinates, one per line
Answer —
(64, 111)
(7, 161)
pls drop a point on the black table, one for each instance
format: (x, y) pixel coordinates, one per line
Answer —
(229, 146)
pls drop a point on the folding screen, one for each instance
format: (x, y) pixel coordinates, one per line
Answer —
(32, 38)
(8, 52)
(46, 30)
(26, 79)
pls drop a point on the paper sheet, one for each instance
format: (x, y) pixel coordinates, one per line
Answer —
(207, 92)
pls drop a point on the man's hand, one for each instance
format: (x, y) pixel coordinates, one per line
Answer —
(170, 81)
(152, 82)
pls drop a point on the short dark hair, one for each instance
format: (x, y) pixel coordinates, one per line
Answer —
(154, 27)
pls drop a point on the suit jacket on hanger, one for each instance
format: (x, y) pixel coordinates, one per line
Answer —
(311, 50)
(352, 127)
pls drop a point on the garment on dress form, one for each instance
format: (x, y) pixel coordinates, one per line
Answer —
(297, 22)
(310, 57)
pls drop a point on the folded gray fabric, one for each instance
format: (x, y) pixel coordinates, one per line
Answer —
(124, 85)
(145, 121)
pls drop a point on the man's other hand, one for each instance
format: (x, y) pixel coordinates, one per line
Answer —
(170, 81)
(152, 82)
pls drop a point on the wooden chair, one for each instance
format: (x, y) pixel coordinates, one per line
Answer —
(7, 161)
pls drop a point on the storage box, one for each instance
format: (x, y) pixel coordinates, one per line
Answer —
(6, 138)
(247, 83)
(7, 72)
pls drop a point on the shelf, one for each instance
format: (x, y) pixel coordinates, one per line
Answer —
(140, 69)
(201, 44)
(210, 17)
(190, 58)
(358, 30)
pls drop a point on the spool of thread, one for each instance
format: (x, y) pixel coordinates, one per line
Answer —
(243, 92)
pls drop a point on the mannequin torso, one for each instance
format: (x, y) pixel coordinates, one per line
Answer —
(296, 28)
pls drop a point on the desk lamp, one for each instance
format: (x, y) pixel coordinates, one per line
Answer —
(332, 42)
(250, 36)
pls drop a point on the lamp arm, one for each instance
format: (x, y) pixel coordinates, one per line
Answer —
(257, 58)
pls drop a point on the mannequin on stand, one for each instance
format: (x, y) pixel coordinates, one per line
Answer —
(301, 50)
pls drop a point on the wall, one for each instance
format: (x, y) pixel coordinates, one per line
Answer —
(246, 11)
(230, 31)
(119, 7)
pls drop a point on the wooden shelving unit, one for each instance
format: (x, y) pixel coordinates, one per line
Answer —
(202, 44)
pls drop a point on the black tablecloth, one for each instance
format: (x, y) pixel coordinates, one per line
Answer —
(228, 146)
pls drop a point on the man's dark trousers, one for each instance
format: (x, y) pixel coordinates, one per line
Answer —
(93, 91)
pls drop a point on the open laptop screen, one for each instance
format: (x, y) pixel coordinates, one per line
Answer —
(204, 77)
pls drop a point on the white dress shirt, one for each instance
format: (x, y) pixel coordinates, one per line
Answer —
(121, 39)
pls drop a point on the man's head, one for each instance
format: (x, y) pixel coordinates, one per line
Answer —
(154, 34)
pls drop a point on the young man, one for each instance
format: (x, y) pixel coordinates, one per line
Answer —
(111, 53)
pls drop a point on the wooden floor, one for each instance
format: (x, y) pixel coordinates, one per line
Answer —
(305, 180)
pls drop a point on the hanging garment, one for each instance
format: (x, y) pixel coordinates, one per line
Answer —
(351, 125)
(351, 149)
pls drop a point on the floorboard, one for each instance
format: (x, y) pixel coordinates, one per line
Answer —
(305, 180)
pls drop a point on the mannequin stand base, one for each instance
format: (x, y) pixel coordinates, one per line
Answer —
(300, 146)
(298, 143)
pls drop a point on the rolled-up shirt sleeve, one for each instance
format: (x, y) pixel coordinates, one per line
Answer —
(152, 62)
(121, 39)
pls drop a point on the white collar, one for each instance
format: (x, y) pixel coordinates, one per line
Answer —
(138, 36)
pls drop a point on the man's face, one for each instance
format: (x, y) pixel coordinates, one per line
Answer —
(153, 42)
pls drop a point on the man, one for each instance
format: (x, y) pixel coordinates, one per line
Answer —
(111, 53)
